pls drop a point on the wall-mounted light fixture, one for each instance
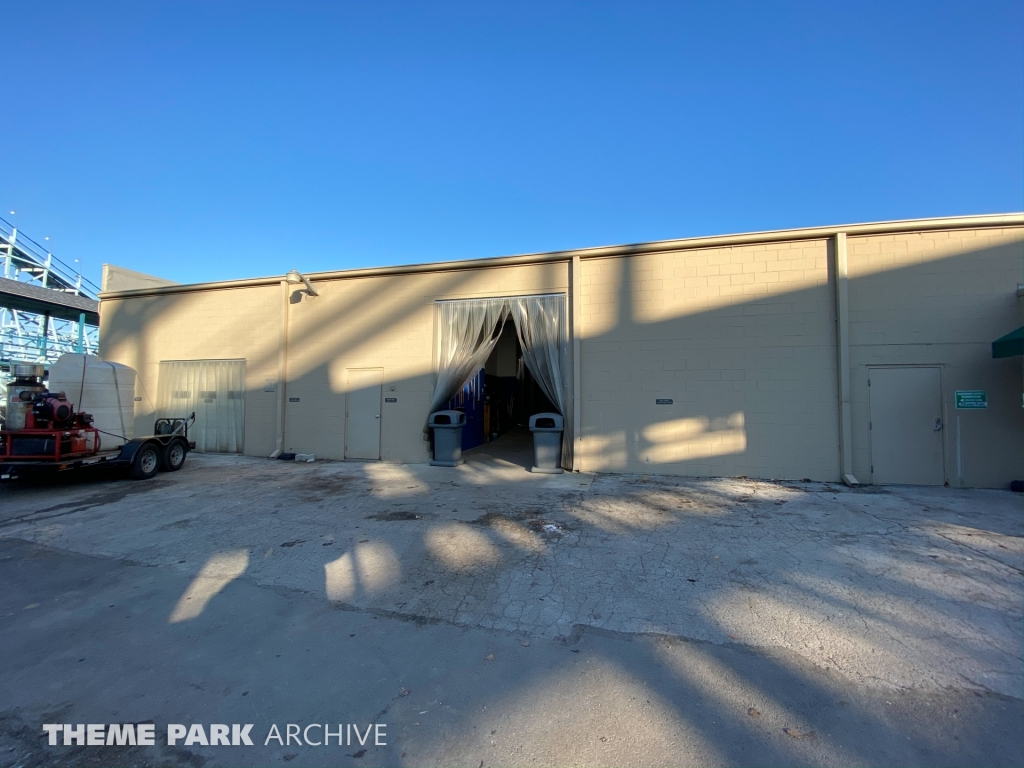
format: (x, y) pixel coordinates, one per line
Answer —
(295, 277)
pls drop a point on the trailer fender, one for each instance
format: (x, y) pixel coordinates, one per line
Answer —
(129, 449)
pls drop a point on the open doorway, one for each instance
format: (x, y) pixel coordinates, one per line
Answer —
(500, 361)
(500, 398)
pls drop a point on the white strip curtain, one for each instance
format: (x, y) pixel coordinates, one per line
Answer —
(215, 391)
(467, 330)
(543, 334)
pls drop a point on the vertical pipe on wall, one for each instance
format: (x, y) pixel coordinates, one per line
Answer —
(959, 455)
(843, 360)
(282, 356)
(574, 312)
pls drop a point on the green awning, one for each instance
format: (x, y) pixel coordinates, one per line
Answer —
(1010, 345)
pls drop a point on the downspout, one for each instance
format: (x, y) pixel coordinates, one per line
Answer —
(574, 310)
(282, 370)
(843, 360)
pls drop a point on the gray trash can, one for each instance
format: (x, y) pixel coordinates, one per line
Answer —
(447, 426)
(547, 443)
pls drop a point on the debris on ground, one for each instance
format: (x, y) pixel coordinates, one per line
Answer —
(489, 657)
(524, 643)
(389, 517)
(754, 712)
(799, 735)
(547, 526)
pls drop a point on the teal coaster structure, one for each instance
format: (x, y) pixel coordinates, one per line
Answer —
(47, 308)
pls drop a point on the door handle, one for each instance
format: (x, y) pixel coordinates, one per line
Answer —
(378, 416)
(938, 425)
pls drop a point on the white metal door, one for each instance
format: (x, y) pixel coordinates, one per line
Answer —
(362, 413)
(906, 425)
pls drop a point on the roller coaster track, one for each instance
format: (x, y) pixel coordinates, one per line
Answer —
(46, 308)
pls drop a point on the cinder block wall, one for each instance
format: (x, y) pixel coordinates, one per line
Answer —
(375, 322)
(240, 323)
(740, 339)
(941, 298)
(382, 322)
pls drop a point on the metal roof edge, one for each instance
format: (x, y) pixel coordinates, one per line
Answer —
(901, 226)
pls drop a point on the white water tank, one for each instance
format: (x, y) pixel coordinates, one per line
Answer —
(105, 390)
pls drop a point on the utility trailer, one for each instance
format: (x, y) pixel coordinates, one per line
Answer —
(36, 451)
(43, 433)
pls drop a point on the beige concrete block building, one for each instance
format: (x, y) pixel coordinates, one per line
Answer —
(817, 353)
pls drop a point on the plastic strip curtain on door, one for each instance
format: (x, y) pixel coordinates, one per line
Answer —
(215, 391)
(467, 330)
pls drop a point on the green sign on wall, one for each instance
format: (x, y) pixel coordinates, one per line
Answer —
(971, 398)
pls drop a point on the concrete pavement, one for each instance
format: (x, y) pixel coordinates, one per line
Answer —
(586, 620)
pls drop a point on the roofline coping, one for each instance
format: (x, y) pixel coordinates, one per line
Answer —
(903, 226)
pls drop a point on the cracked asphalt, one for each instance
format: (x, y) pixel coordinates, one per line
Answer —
(529, 619)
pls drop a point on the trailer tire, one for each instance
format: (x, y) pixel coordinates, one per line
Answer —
(173, 457)
(145, 462)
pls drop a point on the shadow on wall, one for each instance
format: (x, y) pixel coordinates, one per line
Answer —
(740, 389)
(671, 384)
(128, 328)
(691, 385)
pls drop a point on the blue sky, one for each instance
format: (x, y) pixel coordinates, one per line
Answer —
(204, 141)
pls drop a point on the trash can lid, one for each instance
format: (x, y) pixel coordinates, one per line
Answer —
(546, 421)
(447, 419)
